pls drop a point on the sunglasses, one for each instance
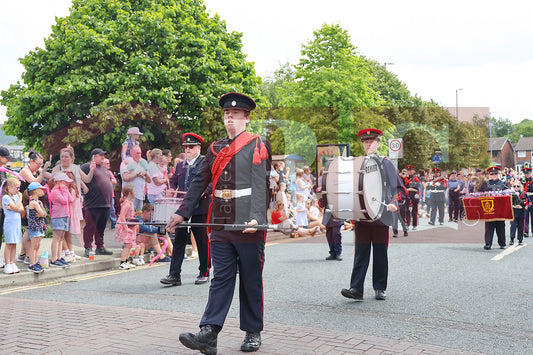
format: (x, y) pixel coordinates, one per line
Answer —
(516, 185)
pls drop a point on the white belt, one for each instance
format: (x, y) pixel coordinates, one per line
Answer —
(227, 194)
(412, 189)
(529, 193)
(433, 191)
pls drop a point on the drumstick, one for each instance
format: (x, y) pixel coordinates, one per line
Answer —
(383, 203)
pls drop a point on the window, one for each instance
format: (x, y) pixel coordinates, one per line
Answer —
(521, 154)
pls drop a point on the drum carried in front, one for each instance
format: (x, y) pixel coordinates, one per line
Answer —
(354, 188)
(164, 208)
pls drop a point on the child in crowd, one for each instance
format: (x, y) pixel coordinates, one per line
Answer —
(61, 199)
(314, 214)
(148, 235)
(281, 195)
(12, 205)
(131, 141)
(36, 224)
(301, 211)
(286, 226)
(125, 233)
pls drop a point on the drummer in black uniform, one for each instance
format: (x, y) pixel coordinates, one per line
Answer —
(412, 184)
(494, 184)
(181, 181)
(239, 166)
(437, 187)
(528, 189)
(374, 234)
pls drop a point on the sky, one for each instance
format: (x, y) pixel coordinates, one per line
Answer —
(467, 53)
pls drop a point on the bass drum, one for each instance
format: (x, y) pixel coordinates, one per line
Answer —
(354, 188)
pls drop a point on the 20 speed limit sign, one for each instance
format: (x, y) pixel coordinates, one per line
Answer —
(396, 148)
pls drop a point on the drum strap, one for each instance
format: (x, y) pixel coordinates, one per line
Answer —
(227, 153)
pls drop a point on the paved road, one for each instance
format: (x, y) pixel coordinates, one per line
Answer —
(446, 295)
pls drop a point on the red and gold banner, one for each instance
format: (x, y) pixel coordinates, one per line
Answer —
(488, 208)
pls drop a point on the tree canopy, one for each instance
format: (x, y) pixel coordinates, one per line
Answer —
(169, 55)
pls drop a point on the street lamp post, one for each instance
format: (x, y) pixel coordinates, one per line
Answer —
(457, 104)
(385, 64)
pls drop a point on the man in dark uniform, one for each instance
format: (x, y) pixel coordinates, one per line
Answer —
(374, 234)
(437, 188)
(181, 181)
(494, 184)
(412, 184)
(239, 166)
(528, 189)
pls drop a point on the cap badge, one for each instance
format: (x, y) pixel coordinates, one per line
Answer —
(234, 103)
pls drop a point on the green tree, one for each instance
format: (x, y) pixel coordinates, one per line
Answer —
(331, 75)
(168, 54)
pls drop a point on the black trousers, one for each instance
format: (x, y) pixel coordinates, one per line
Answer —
(180, 242)
(229, 250)
(529, 219)
(95, 223)
(454, 208)
(334, 236)
(412, 213)
(499, 227)
(368, 236)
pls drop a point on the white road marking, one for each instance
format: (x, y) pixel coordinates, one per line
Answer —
(508, 251)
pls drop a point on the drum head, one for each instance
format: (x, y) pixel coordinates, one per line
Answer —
(371, 184)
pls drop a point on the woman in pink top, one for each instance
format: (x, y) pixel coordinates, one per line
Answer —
(60, 199)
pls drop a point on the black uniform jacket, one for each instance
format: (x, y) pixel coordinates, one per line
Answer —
(239, 174)
(182, 181)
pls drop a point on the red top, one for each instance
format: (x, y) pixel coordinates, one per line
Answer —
(276, 215)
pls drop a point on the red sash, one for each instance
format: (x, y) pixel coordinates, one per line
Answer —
(224, 157)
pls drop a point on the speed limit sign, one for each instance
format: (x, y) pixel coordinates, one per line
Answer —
(396, 148)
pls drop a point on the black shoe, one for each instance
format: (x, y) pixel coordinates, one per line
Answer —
(103, 251)
(201, 279)
(520, 243)
(352, 293)
(414, 228)
(205, 340)
(380, 295)
(171, 280)
(395, 235)
(441, 223)
(511, 242)
(334, 257)
(502, 246)
(526, 235)
(487, 247)
(87, 251)
(252, 342)
(431, 223)
(405, 234)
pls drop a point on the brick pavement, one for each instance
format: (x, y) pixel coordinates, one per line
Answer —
(47, 327)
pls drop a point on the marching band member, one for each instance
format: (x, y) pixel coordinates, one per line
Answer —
(437, 187)
(527, 182)
(494, 184)
(374, 234)
(412, 184)
(519, 201)
(239, 167)
(181, 181)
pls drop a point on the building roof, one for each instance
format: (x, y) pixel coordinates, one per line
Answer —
(498, 143)
(524, 143)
